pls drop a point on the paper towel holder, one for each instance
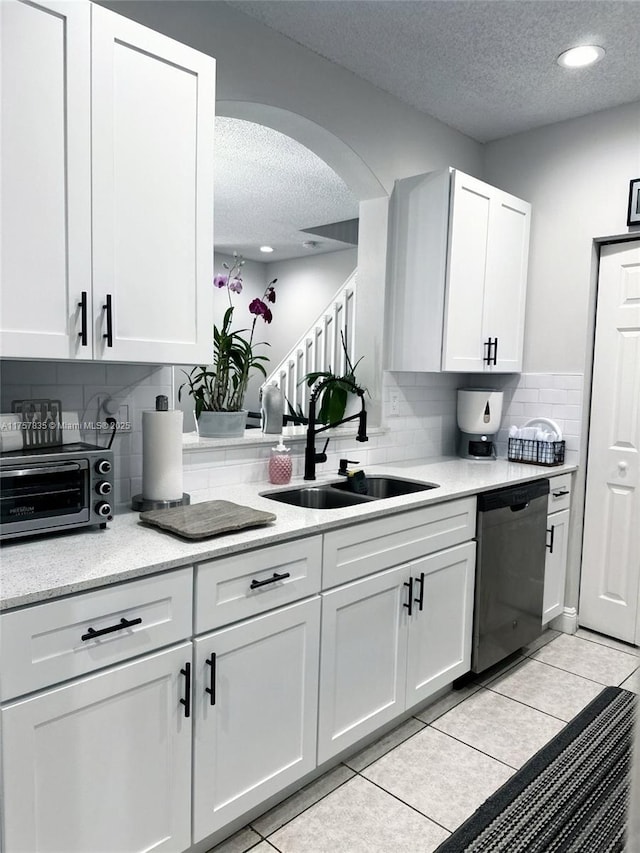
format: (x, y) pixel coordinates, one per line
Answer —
(141, 504)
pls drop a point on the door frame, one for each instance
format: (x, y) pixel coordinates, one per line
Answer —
(578, 503)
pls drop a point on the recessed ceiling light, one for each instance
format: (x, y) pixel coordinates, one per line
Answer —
(266, 248)
(580, 57)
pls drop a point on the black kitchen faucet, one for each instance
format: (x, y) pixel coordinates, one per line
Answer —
(310, 455)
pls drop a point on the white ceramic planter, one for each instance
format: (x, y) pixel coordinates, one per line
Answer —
(222, 424)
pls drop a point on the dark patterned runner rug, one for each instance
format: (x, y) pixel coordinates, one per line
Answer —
(570, 797)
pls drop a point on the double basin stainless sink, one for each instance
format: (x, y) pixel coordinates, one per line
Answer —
(339, 495)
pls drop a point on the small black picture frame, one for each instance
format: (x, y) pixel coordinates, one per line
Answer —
(633, 213)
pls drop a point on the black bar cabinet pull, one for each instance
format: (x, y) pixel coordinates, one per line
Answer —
(109, 333)
(420, 599)
(276, 577)
(186, 701)
(82, 305)
(495, 352)
(211, 690)
(409, 604)
(487, 345)
(561, 493)
(123, 623)
(550, 545)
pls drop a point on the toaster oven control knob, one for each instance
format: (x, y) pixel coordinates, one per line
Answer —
(103, 487)
(103, 466)
(103, 509)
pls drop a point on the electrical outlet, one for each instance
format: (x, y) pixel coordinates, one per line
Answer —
(394, 407)
(111, 407)
(122, 418)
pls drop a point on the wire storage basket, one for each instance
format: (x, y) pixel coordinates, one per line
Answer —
(536, 452)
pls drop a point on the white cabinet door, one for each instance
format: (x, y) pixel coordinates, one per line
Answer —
(153, 105)
(364, 658)
(462, 348)
(442, 615)
(486, 278)
(256, 699)
(45, 251)
(506, 281)
(555, 567)
(101, 764)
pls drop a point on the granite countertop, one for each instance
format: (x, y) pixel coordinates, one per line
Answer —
(46, 567)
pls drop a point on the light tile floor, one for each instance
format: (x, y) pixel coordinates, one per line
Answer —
(408, 791)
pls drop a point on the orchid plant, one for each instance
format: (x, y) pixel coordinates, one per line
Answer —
(223, 388)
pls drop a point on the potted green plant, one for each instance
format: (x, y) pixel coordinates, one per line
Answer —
(334, 397)
(219, 390)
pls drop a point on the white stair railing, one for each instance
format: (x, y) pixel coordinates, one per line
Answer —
(320, 348)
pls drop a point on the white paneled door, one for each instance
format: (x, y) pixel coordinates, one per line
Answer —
(610, 584)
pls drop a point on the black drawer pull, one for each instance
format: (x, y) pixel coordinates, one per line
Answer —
(420, 599)
(409, 604)
(211, 690)
(276, 577)
(550, 545)
(187, 689)
(560, 494)
(82, 305)
(108, 307)
(123, 623)
(488, 344)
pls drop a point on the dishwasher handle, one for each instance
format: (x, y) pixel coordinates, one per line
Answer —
(519, 507)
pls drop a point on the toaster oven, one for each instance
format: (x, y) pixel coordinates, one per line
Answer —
(50, 488)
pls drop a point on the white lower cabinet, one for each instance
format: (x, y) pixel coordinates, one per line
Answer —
(110, 745)
(555, 567)
(390, 640)
(103, 763)
(255, 707)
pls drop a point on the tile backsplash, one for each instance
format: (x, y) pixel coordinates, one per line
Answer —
(558, 396)
(424, 426)
(81, 387)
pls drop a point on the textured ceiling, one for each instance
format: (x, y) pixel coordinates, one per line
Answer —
(485, 67)
(268, 188)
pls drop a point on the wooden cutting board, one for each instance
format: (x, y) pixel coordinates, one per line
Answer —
(211, 518)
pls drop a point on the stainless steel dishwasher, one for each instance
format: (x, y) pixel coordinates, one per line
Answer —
(511, 534)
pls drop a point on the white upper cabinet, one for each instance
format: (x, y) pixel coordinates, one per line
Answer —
(152, 142)
(107, 170)
(458, 258)
(45, 163)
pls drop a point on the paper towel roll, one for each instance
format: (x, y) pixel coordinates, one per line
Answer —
(162, 456)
